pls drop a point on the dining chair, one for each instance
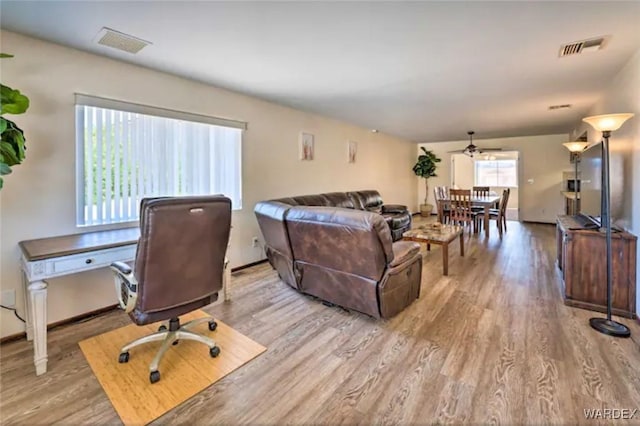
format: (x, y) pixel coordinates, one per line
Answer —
(460, 205)
(440, 194)
(481, 191)
(499, 214)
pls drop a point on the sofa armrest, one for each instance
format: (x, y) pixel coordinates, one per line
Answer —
(403, 251)
(394, 208)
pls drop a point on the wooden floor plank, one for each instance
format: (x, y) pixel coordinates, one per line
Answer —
(490, 343)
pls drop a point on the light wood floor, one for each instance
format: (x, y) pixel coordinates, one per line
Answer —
(490, 343)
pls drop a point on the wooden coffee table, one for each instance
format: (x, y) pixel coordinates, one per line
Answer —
(443, 236)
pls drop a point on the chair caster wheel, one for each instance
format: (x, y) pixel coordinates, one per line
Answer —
(212, 325)
(154, 376)
(162, 328)
(175, 342)
(214, 351)
(124, 357)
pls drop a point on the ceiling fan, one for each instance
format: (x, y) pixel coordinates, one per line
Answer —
(471, 149)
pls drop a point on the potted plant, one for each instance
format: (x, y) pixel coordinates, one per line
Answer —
(11, 136)
(426, 168)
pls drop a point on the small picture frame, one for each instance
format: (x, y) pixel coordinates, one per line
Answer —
(352, 151)
(307, 147)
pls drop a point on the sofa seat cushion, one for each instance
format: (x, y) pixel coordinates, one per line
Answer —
(394, 208)
(403, 251)
(397, 221)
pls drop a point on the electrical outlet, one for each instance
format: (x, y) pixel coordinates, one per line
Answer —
(254, 241)
(8, 298)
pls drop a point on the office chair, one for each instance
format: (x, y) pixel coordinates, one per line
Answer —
(179, 268)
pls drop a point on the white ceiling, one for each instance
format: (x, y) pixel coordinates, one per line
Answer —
(427, 71)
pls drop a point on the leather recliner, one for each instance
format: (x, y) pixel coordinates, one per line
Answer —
(340, 254)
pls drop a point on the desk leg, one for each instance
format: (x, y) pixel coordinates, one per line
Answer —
(27, 307)
(38, 299)
(445, 259)
(486, 220)
(227, 281)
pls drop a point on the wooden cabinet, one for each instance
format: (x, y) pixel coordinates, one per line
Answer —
(582, 260)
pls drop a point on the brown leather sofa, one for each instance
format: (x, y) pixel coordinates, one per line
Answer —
(396, 216)
(340, 254)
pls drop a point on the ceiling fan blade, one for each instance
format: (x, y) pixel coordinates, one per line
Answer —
(459, 151)
(489, 149)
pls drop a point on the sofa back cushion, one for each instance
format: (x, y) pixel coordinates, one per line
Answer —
(349, 241)
(312, 200)
(367, 200)
(339, 199)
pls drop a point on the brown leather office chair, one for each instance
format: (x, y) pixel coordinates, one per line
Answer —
(179, 268)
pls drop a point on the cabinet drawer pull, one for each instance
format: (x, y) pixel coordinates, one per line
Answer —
(88, 261)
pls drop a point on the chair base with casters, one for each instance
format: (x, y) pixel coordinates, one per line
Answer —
(171, 336)
(127, 290)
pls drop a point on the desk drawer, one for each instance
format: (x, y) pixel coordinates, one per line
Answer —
(88, 261)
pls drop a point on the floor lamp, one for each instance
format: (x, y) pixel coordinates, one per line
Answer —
(607, 124)
(576, 148)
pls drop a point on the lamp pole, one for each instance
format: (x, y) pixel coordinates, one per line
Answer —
(606, 124)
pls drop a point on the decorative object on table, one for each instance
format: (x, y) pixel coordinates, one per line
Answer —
(138, 402)
(352, 151)
(426, 168)
(12, 139)
(472, 149)
(306, 146)
(606, 124)
(576, 148)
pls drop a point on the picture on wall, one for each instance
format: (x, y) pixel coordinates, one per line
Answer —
(306, 146)
(352, 151)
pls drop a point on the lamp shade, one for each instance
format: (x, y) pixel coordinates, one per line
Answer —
(607, 122)
(576, 146)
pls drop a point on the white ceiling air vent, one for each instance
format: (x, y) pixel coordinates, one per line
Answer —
(562, 106)
(590, 45)
(120, 41)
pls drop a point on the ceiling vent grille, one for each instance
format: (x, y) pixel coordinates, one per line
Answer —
(562, 106)
(577, 47)
(120, 41)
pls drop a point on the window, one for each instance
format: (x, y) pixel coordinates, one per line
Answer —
(502, 173)
(126, 152)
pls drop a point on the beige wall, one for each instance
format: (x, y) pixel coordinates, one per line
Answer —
(39, 197)
(623, 95)
(542, 161)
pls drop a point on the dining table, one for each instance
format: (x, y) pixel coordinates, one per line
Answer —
(485, 201)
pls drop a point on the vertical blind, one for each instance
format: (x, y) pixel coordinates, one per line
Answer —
(125, 156)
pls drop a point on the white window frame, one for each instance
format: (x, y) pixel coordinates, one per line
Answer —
(82, 100)
(497, 160)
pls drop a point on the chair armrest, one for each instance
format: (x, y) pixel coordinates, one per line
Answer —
(126, 285)
(394, 208)
(121, 267)
(403, 251)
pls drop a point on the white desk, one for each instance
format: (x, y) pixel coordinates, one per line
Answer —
(47, 258)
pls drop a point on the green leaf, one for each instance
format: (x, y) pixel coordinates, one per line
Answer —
(3, 125)
(1, 182)
(4, 169)
(6, 55)
(12, 101)
(9, 156)
(12, 143)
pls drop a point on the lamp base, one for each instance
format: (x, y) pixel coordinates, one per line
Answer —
(609, 327)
